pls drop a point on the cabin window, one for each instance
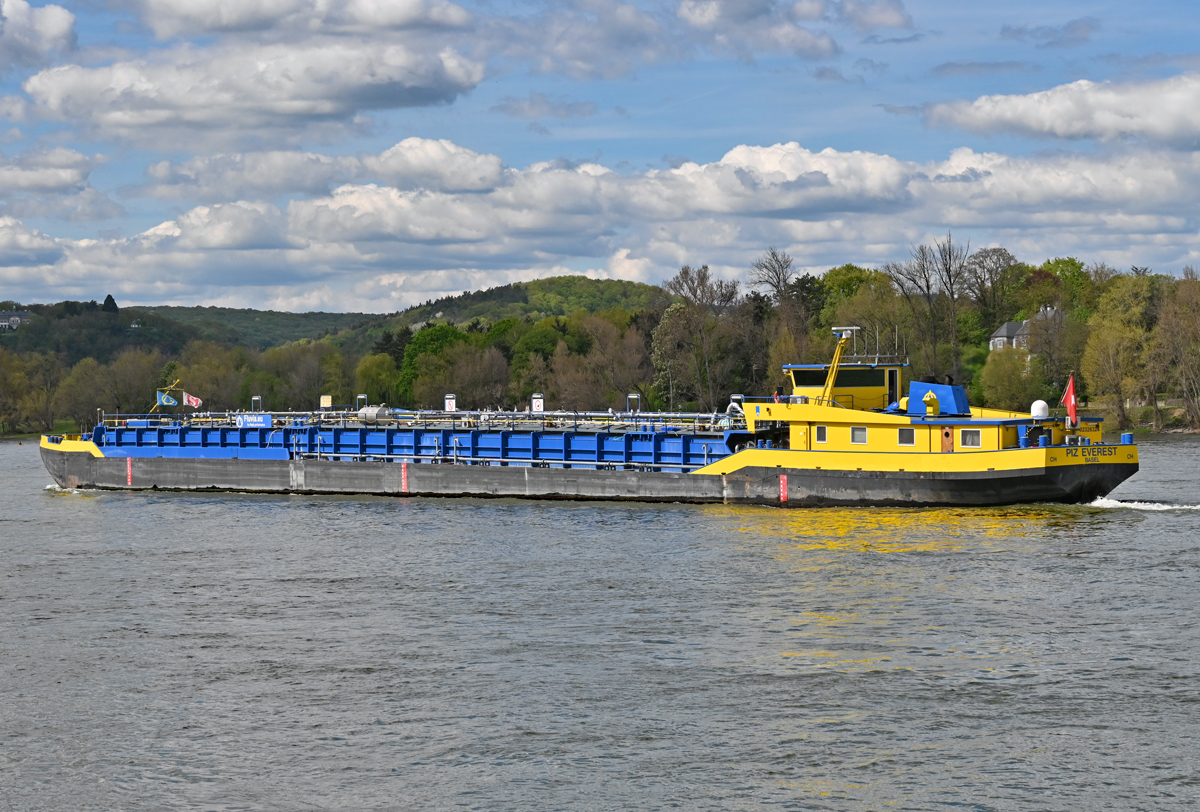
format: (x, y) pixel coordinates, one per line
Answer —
(858, 435)
(970, 438)
(860, 377)
(846, 377)
(908, 437)
(820, 434)
(809, 377)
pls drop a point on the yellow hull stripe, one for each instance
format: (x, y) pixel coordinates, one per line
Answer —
(923, 462)
(70, 443)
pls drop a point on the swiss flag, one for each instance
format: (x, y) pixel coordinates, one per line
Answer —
(1071, 402)
(191, 400)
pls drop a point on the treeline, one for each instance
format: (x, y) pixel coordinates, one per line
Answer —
(1131, 337)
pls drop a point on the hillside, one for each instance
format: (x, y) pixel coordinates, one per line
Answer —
(253, 328)
(555, 296)
(77, 330)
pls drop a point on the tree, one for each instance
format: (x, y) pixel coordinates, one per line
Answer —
(480, 375)
(128, 382)
(110, 304)
(214, 373)
(992, 275)
(672, 356)
(80, 393)
(1178, 330)
(394, 343)
(430, 340)
(705, 299)
(1110, 361)
(917, 281)
(13, 388)
(618, 361)
(43, 372)
(951, 268)
(809, 293)
(376, 377)
(773, 272)
(1010, 380)
(577, 385)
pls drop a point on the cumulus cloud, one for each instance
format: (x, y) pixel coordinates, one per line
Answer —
(413, 163)
(250, 90)
(226, 176)
(52, 183)
(22, 246)
(241, 225)
(378, 246)
(30, 35)
(745, 27)
(435, 164)
(168, 18)
(584, 39)
(1166, 110)
(1068, 35)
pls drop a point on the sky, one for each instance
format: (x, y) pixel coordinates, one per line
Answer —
(368, 155)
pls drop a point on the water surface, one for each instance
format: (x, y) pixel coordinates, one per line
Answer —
(223, 651)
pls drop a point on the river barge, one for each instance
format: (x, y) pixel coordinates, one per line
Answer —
(846, 435)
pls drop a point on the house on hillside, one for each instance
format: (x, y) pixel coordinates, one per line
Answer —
(12, 319)
(1017, 333)
(1010, 334)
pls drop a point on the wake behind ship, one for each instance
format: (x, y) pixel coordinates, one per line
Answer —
(845, 436)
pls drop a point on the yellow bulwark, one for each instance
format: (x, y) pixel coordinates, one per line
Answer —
(70, 442)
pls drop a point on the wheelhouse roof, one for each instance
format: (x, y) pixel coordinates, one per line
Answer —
(849, 365)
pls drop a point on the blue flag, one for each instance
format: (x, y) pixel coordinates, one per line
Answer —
(166, 400)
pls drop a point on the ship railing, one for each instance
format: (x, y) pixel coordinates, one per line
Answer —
(840, 402)
(515, 462)
(616, 422)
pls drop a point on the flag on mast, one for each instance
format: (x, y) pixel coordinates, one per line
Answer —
(191, 400)
(1071, 402)
(166, 400)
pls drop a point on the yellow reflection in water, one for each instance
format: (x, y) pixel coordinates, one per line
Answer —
(826, 607)
(900, 530)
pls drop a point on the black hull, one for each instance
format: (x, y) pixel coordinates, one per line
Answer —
(761, 486)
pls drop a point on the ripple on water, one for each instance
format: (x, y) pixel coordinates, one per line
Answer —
(170, 651)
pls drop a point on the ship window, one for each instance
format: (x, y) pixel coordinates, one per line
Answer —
(860, 377)
(858, 435)
(821, 434)
(809, 377)
(971, 438)
(908, 437)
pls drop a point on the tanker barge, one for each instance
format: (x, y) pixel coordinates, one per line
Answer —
(845, 436)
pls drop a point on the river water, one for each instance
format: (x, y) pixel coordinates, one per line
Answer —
(233, 652)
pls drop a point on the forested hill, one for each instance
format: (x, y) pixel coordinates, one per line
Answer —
(253, 328)
(555, 296)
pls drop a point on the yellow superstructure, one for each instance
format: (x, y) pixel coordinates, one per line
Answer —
(851, 417)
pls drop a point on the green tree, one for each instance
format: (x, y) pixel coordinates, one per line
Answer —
(376, 376)
(128, 383)
(81, 393)
(1110, 361)
(706, 299)
(14, 385)
(43, 372)
(1010, 380)
(430, 340)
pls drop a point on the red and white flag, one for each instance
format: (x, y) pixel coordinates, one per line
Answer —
(191, 400)
(1071, 402)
